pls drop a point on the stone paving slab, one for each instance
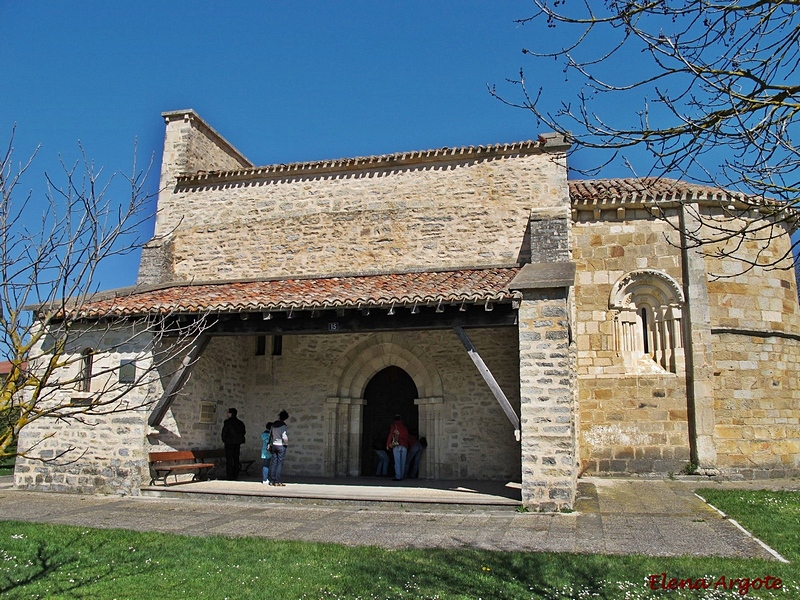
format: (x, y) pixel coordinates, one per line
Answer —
(367, 490)
(613, 516)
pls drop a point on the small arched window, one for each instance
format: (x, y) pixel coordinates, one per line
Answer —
(85, 379)
(648, 326)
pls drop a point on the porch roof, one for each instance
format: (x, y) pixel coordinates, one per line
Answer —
(356, 291)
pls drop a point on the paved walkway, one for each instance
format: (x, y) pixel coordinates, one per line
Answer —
(614, 516)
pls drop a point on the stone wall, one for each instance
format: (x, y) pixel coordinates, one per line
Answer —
(548, 404)
(755, 298)
(633, 420)
(636, 419)
(105, 453)
(755, 373)
(757, 394)
(460, 210)
(190, 145)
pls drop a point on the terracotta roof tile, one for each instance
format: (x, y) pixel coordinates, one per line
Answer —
(472, 286)
(382, 161)
(600, 191)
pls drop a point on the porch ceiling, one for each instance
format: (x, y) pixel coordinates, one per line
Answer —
(470, 286)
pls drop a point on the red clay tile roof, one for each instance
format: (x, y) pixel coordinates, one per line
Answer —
(600, 191)
(471, 286)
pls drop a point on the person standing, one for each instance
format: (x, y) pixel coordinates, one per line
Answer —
(397, 444)
(412, 459)
(233, 431)
(279, 444)
(266, 455)
(383, 457)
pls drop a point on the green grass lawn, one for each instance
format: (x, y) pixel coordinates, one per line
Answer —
(7, 463)
(49, 561)
(6, 466)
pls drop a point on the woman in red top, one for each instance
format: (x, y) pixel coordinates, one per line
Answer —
(397, 444)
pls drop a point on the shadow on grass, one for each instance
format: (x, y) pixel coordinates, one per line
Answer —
(477, 574)
(56, 560)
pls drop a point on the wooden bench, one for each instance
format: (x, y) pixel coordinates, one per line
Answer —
(177, 462)
(219, 453)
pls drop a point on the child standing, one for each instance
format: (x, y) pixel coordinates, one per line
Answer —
(266, 455)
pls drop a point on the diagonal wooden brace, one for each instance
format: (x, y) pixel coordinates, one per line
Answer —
(178, 379)
(490, 380)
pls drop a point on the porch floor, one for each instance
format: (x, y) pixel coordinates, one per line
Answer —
(367, 490)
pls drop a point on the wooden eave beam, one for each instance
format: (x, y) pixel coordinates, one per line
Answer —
(367, 320)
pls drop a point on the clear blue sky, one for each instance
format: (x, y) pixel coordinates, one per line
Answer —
(283, 82)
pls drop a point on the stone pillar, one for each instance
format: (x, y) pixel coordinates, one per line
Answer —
(332, 434)
(429, 423)
(355, 412)
(343, 440)
(699, 350)
(547, 401)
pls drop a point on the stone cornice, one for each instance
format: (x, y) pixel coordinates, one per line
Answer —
(659, 196)
(649, 191)
(760, 333)
(545, 143)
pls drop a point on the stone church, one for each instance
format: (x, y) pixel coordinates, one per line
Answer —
(532, 329)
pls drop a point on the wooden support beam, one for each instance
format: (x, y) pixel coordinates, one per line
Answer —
(362, 320)
(489, 379)
(178, 379)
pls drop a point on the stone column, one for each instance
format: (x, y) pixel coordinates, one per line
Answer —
(699, 350)
(429, 423)
(332, 434)
(355, 412)
(343, 439)
(547, 401)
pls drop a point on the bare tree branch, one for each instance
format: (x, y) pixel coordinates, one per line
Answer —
(49, 277)
(717, 94)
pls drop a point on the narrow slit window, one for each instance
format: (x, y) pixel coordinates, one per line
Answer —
(645, 331)
(87, 362)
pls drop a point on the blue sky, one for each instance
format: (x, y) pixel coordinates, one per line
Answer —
(282, 81)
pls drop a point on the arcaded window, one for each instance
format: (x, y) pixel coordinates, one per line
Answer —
(85, 379)
(648, 326)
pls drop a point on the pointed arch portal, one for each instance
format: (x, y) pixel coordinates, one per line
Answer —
(345, 407)
(391, 391)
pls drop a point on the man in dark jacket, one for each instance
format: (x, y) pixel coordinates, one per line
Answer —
(233, 437)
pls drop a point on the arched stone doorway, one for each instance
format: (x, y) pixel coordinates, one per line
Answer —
(344, 407)
(391, 391)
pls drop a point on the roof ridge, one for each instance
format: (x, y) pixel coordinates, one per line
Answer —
(543, 143)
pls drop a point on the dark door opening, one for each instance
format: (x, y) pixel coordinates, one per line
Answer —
(391, 391)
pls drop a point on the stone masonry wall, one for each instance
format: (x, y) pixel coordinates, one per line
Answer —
(105, 454)
(757, 425)
(190, 145)
(459, 215)
(762, 299)
(547, 402)
(462, 211)
(476, 440)
(756, 391)
(631, 422)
